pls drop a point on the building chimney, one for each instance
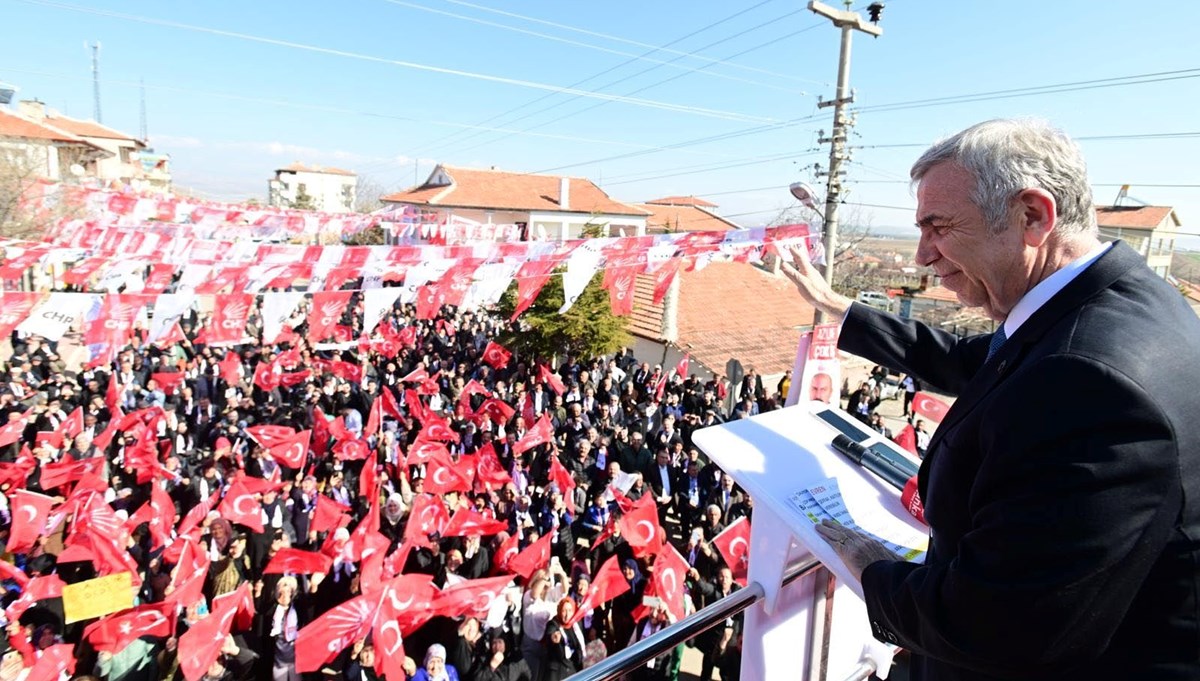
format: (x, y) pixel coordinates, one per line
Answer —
(564, 193)
(32, 109)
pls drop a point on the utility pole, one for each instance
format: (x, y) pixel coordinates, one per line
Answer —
(96, 82)
(849, 22)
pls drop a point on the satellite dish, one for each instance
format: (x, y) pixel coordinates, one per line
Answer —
(77, 170)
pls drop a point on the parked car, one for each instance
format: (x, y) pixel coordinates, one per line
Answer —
(876, 300)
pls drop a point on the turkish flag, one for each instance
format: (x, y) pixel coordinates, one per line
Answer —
(559, 476)
(74, 423)
(929, 406)
(320, 432)
(112, 395)
(489, 472)
(159, 515)
(497, 410)
(907, 438)
(190, 571)
(112, 633)
(239, 506)
(607, 585)
(326, 637)
(734, 546)
(495, 355)
(443, 476)
(429, 300)
(374, 418)
(681, 369)
(268, 436)
(198, 513)
(231, 368)
(298, 562)
(201, 644)
(228, 322)
(404, 606)
(436, 428)
(415, 376)
(326, 312)
(507, 550)
(243, 604)
(168, 380)
(551, 379)
(29, 513)
(54, 660)
(293, 451)
(533, 558)
(428, 516)
(388, 403)
(472, 598)
(12, 431)
(328, 514)
(670, 571)
(541, 433)
(266, 376)
(640, 527)
(36, 589)
(352, 450)
(412, 401)
(54, 438)
(467, 522)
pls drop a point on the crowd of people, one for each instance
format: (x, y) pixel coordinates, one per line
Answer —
(189, 426)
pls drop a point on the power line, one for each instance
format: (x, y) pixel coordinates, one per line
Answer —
(629, 42)
(647, 70)
(1082, 138)
(433, 145)
(666, 106)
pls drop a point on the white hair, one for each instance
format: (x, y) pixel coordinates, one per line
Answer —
(1006, 156)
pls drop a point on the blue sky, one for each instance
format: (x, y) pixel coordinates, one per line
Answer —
(389, 87)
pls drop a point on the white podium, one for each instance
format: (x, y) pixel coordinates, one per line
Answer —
(773, 456)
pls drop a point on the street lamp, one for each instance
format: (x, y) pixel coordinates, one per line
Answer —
(806, 196)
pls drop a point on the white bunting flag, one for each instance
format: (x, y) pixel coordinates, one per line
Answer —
(376, 302)
(277, 307)
(169, 308)
(53, 318)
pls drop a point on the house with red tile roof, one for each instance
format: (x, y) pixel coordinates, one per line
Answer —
(42, 150)
(723, 311)
(550, 206)
(1150, 230)
(328, 189)
(684, 214)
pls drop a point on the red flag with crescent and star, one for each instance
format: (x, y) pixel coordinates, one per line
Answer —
(734, 545)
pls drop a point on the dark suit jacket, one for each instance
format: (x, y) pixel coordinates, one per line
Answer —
(1062, 489)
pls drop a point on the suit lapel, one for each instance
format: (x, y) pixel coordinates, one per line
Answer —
(1109, 267)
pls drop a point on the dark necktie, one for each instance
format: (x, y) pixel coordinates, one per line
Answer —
(998, 339)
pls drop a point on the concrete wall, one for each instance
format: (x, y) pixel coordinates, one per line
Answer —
(326, 189)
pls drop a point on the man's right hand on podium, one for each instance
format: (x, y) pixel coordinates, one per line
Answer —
(857, 551)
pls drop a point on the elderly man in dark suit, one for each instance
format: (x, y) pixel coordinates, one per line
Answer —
(1063, 487)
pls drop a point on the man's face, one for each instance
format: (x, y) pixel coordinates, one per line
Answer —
(983, 270)
(663, 458)
(822, 388)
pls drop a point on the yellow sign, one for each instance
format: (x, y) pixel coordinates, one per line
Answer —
(97, 597)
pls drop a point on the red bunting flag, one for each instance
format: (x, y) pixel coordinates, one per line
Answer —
(541, 433)
(239, 506)
(734, 545)
(29, 513)
(326, 312)
(533, 558)
(15, 306)
(607, 585)
(531, 279)
(929, 406)
(495, 355)
(663, 276)
(230, 314)
(297, 562)
(620, 290)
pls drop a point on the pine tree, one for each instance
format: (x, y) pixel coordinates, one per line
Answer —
(588, 329)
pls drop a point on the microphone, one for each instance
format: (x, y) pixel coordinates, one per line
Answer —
(892, 468)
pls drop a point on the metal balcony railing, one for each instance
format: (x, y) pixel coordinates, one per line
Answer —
(625, 661)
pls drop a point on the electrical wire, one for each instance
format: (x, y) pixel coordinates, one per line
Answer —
(647, 103)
